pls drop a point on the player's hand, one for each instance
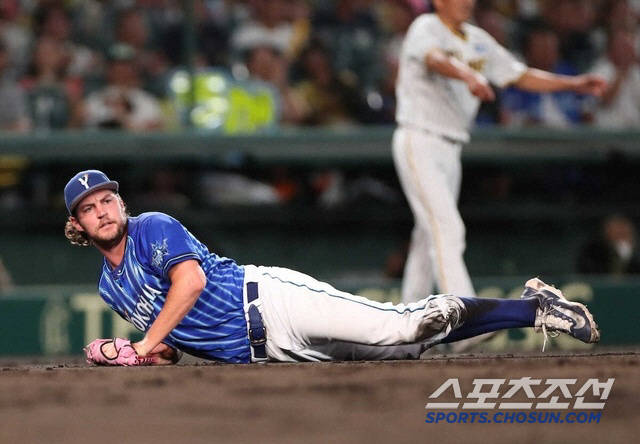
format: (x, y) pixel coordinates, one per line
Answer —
(479, 87)
(120, 351)
(590, 84)
(116, 351)
(164, 354)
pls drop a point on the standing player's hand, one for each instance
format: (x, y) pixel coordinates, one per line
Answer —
(479, 87)
(590, 84)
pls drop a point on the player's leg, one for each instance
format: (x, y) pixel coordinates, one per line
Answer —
(541, 306)
(440, 192)
(304, 316)
(301, 312)
(485, 315)
(309, 320)
(348, 351)
(418, 277)
(430, 172)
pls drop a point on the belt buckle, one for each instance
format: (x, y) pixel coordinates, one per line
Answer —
(258, 341)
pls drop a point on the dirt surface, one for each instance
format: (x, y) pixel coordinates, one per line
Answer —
(67, 401)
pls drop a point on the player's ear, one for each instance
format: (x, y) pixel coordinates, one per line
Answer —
(123, 205)
(75, 223)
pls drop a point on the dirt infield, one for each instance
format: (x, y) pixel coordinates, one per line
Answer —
(67, 401)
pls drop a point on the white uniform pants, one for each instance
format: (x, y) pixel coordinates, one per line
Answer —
(309, 320)
(430, 170)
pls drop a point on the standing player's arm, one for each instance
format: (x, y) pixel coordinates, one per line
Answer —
(543, 81)
(449, 66)
(187, 282)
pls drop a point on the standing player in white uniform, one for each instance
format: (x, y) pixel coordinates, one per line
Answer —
(159, 277)
(445, 68)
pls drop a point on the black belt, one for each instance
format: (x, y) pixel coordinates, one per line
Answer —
(257, 331)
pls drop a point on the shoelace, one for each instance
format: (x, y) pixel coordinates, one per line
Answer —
(553, 332)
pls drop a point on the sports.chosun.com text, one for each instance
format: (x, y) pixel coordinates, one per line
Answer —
(513, 417)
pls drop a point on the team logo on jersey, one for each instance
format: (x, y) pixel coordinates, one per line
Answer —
(159, 250)
(480, 47)
(477, 64)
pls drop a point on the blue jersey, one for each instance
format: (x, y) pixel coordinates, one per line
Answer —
(215, 327)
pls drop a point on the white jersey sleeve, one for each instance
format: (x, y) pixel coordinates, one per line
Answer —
(440, 104)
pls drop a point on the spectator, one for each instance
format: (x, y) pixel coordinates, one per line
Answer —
(121, 103)
(16, 37)
(55, 99)
(14, 115)
(398, 15)
(266, 25)
(490, 19)
(133, 30)
(574, 22)
(298, 13)
(613, 251)
(559, 109)
(619, 107)
(331, 99)
(618, 14)
(211, 35)
(267, 64)
(54, 20)
(498, 26)
(352, 31)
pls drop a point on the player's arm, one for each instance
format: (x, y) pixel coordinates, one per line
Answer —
(543, 81)
(449, 66)
(187, 282)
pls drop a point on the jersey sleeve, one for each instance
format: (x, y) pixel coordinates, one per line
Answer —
(421, 38)
(166, 242)
(503, 68)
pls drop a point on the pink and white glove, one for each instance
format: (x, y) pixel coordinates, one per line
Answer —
(118, 351)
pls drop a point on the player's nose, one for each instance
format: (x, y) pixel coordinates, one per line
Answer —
(102, 210)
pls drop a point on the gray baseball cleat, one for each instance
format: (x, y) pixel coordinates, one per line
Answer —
(557, 314)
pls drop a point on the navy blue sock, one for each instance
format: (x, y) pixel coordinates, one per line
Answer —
(485, 315)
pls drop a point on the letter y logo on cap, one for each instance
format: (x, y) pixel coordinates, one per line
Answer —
(84, 180)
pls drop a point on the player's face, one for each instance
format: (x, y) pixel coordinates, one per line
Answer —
(101, 215)
(455, 12)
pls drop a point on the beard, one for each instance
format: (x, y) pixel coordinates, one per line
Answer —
(109, 242)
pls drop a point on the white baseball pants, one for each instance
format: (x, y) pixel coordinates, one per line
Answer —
(430, 172)
(309, 320)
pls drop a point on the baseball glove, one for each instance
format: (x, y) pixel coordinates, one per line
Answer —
(119, 351)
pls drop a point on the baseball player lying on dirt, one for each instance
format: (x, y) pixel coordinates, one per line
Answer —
(160, 278)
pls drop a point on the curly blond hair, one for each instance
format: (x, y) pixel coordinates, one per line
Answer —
(75, 236)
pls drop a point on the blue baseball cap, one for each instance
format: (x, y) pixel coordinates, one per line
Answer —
(84, 183)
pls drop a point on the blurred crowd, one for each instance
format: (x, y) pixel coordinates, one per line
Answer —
(108, 64)
(73, 64)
